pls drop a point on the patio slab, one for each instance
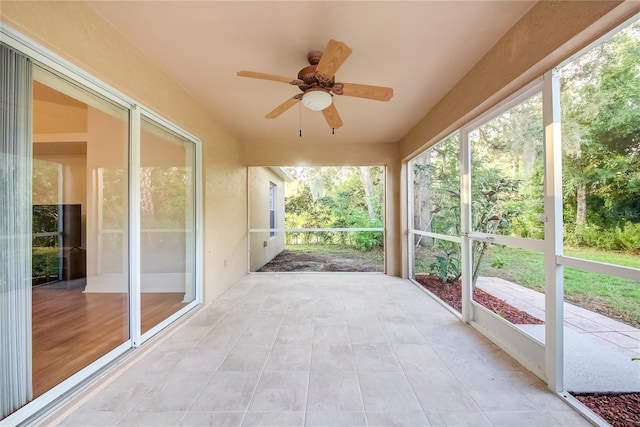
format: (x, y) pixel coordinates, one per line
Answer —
(361, 349)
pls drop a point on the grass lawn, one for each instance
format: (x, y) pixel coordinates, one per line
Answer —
(612, 296)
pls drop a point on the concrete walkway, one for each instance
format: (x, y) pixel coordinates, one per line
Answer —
(598, 349)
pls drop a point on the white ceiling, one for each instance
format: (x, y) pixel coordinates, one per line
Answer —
(420, 49)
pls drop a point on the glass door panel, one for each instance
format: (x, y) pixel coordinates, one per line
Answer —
(167, 212)
(80, 293)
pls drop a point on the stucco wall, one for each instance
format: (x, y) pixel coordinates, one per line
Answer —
(260, 180)
(75, 32)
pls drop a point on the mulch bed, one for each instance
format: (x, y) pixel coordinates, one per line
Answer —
(451, 293)
(619, 410)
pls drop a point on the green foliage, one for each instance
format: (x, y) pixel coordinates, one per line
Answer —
(601, 143)
(620, 238)
(436, 188)
(44, 262)
(497, 262)
(335, 198)
(447, 267)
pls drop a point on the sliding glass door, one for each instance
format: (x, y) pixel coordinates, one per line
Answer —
(99, 216)
(80, 287)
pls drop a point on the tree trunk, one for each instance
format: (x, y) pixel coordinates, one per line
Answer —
(367, 183)
(581, 204)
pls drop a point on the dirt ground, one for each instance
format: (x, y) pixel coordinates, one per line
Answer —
(451, 293)
(339, 260)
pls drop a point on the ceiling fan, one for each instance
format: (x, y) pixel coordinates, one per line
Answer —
(318, 85)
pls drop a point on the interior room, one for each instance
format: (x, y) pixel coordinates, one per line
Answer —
(145, 142)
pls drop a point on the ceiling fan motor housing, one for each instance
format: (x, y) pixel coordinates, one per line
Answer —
(308, 78)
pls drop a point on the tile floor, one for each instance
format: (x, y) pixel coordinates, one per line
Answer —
(322, 350)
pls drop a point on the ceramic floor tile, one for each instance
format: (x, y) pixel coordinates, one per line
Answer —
(84, 418)
(152, 419)
(246, 357)
(273, 419)
(331, 334)
(366, 332)
(281, 392)
(227, 391)
(397, 419)
(440, 391)
(298, 317)
(458, 419)
(375, 357)
(567, 418)
(295, 334)
(520, 419)
(204, 360)
(387, 392)
(260, 333)
(221, 336)
(187, 338)
(177, 393)
(402, 333)
(318, 350)
(302, 304)
(285, 357)
(335, 419)
(332, 357)
(334, 391)
(212, 419)
(502, 401)
(418, 357)
(208, 316)
(120, 396)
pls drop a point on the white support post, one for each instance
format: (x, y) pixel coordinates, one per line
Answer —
(248, 189)
(465, 225)
(134, 228)
(554, 278)
(410, 220)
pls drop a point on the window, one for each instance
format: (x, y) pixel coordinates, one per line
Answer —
(273, 194)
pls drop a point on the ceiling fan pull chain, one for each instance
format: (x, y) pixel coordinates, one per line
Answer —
(300, 119)
(333, 131)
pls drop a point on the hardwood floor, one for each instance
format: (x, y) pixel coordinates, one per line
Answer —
(72, 329)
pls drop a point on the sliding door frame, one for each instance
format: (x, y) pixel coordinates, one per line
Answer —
(45, 59)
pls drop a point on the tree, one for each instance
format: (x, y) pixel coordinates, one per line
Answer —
(601, 133)
(341, 197)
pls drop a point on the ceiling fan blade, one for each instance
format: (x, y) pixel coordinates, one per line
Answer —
(283, 107)
(332, 117)
(265, 76)
(334, 55)
(378, 93)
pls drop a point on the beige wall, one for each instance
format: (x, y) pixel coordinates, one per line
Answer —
(77, 33)
(260, 180)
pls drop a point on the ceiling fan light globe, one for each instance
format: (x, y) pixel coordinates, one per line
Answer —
(316, 100)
